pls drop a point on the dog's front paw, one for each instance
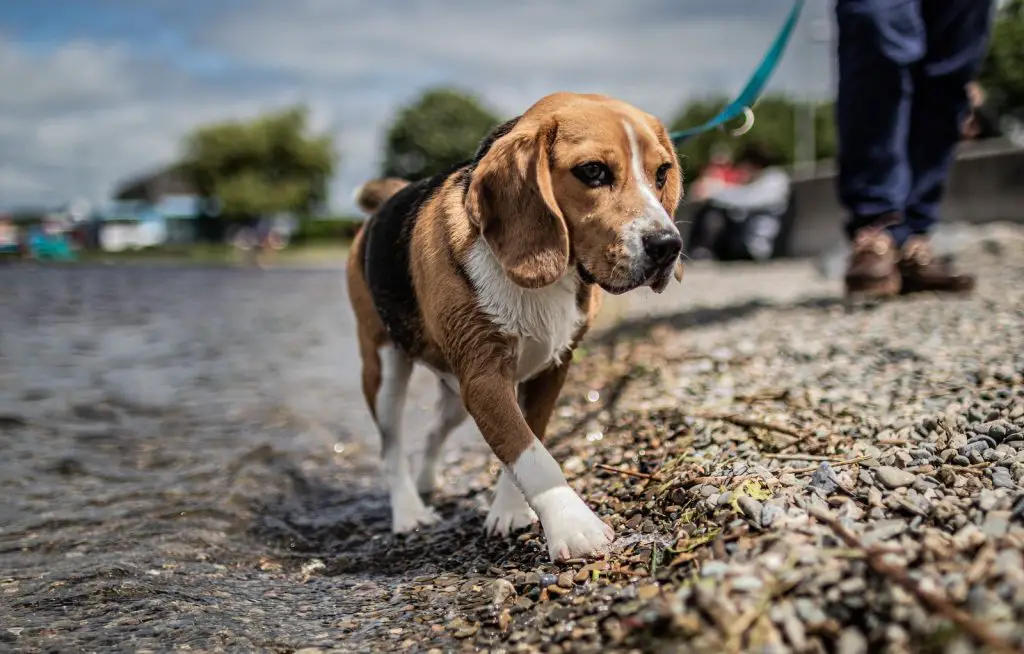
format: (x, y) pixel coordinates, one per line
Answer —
(405, 519)
(509, 511)
(570, 527)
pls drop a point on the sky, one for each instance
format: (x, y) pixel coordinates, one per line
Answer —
(96, 91)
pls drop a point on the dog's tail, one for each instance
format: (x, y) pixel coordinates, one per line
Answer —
(374, 193)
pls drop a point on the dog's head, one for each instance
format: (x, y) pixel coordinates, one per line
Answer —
(582, 180)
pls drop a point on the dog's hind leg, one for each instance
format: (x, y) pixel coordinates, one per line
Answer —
(407, 509)
(451, 414)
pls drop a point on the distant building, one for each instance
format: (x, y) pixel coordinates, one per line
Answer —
(162, 207)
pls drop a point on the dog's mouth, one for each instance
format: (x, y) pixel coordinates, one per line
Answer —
(657, 277)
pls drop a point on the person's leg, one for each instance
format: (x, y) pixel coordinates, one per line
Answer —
(879, 41)
(957, 37)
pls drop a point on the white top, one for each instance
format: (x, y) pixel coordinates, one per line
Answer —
(770, 189)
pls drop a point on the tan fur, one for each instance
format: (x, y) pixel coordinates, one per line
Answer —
(371, 195)
(539, 221)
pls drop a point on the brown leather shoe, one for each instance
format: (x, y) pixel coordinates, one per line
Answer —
(922, 271)
(872, 270)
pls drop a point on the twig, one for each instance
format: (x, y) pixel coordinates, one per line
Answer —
(750, 423)
(802, 457)
(898, 575)
(837, 464)
(629, 473)
(721, 479)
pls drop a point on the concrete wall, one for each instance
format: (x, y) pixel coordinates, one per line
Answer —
(986, 185)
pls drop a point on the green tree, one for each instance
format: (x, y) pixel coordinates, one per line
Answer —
(440, 129)
(263, 166)
(774, 128)
(1002, 73)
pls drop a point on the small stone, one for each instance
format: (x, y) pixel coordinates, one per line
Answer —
(751, 507)
(707, 490)
(547, 580)
(852, 641)
(988, 500)
(648, 591)
(565, 580)
(961, 460)
(501, 590)
(883, 530)
(996, 524)
(769, 514)
(825, 479)
(1009, 563)
(1001, 478)
(714, 569)
(747, 584)
(892, 478)
(810, 611)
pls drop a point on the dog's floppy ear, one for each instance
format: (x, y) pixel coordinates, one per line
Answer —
(512, 202)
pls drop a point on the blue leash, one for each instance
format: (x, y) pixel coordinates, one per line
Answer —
(743, 102)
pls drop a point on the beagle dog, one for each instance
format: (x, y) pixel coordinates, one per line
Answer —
(490, 273)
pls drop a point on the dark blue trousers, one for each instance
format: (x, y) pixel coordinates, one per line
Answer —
(903, 68)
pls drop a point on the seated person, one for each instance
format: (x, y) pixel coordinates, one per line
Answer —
(743, 221)
(719, 173)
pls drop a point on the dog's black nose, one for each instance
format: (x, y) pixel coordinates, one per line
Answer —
(663, 247)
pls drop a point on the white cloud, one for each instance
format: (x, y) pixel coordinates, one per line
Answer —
(90, 113)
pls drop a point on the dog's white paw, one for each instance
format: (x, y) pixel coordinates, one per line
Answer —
(572, 530)
(409, 516)
(509, 511)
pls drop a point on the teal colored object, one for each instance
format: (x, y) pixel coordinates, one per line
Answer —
(752, 91)
(50, 247)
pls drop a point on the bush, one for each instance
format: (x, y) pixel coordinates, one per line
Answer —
(333, 229)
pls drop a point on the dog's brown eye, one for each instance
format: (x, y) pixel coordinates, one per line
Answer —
(662, 175)
(593, 174)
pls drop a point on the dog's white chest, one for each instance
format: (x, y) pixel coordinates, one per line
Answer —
(544, 319)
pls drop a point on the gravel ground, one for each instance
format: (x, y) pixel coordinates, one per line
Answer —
(189, 466)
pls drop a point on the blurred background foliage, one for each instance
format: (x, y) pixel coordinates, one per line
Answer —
(274, 163)
(438, 130)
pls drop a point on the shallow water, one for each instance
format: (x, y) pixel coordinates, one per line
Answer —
(187, 460)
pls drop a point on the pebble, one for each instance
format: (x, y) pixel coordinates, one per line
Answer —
(891, 477)
(852, 641)
(1001, 478)
(769, 514)
(501, 590)
(883, 530)
(810, 611)
(824, 479)
(996, 524)
(751, 508)
(714, 569)
(747, 584)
